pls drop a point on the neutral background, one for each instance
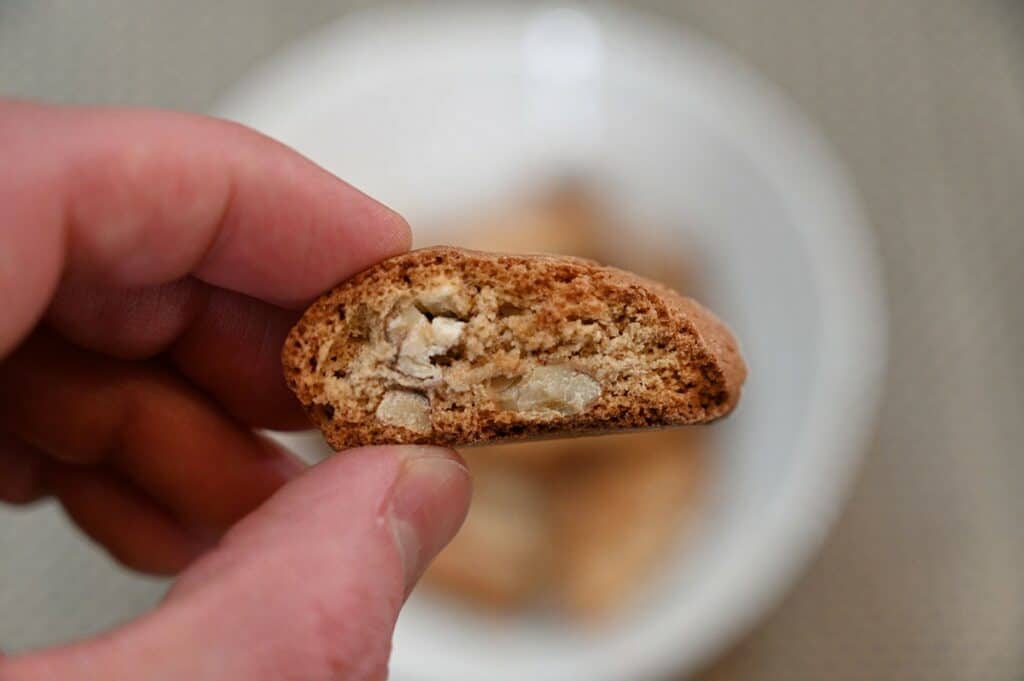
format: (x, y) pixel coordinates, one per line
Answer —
(924, 100)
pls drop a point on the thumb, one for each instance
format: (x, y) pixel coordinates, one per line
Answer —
(306, 587)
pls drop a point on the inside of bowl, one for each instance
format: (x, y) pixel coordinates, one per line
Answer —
(439, 120)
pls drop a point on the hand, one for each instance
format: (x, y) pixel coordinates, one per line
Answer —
(150, 266)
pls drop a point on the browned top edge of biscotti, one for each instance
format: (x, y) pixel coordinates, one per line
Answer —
(724, 371)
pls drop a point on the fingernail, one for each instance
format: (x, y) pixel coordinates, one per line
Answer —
(428, 504)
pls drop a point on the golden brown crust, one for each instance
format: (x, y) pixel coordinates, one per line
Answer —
(698, 377)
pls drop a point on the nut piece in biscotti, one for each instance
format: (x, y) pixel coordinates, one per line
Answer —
(454, 347)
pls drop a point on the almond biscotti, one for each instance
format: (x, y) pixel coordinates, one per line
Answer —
(454, 347)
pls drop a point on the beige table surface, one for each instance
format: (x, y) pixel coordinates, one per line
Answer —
(924, 99)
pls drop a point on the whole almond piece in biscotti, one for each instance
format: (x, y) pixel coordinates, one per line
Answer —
(454, 347)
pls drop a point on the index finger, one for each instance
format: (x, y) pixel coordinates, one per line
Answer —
(135, 198)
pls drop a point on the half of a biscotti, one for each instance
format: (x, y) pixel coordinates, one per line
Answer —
(454, 347)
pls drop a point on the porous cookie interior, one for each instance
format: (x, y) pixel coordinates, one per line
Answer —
(449, 352)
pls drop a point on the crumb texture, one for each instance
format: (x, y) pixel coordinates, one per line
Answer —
(457, 347)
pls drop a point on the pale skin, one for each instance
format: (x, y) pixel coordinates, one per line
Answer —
(151, 264)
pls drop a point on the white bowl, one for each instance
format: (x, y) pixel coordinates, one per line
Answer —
(438, 109)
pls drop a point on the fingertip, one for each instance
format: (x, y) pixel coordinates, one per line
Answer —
(147, 197)
(429, 502)
(395, 230)
(286, 237)
(310, 584)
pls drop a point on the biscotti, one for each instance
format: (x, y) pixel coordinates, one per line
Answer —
(454, 347)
